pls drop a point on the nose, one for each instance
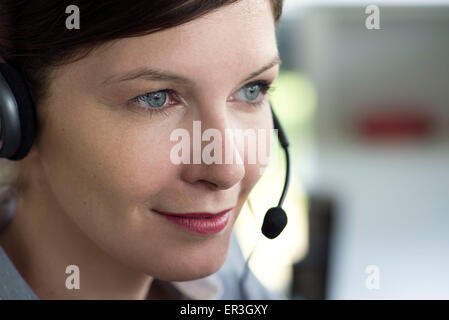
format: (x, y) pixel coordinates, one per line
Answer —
(220, 164)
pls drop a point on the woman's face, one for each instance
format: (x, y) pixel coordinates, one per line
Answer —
(107, 160)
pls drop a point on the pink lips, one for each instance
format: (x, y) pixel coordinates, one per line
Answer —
(199, 222)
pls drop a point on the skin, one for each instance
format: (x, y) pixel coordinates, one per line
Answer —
(99, 166)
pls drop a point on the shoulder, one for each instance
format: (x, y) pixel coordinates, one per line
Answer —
(13, 285)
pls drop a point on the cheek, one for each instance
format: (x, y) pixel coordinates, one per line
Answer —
(134, 168)
(259, 153)
(102, 173)
(105, 159)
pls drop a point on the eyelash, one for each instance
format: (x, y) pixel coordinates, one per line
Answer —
(265, 88)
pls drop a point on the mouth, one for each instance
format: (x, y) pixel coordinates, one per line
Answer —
(199, 222)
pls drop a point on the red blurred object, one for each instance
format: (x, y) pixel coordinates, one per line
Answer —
(396, 124)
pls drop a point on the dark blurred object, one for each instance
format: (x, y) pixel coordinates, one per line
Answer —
(310, 274)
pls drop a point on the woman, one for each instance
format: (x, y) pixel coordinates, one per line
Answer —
(98, 192)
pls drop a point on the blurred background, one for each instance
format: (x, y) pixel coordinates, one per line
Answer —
(363, 94)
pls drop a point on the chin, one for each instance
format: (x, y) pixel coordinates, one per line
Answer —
(191, 270)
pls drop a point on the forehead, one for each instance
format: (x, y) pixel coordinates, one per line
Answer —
(242, 32)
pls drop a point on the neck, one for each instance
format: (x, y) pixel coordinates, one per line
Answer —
(42, 242)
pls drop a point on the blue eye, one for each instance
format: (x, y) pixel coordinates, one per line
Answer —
(254, 92)
(153, 99)
(159, 101)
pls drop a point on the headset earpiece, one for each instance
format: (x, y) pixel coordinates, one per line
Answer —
(17, 115)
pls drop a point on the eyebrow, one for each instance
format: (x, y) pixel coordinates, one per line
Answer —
(159, 75)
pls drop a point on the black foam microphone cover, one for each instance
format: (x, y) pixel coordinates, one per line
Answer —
(274, 222)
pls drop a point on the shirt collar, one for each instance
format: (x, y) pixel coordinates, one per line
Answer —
(13, 286)
(208, 288)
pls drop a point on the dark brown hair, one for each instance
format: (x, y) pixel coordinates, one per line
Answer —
(33, 35)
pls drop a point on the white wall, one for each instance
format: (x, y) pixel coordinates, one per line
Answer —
(393, 200)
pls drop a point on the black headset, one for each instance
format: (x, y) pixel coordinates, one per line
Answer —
(17, 115)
